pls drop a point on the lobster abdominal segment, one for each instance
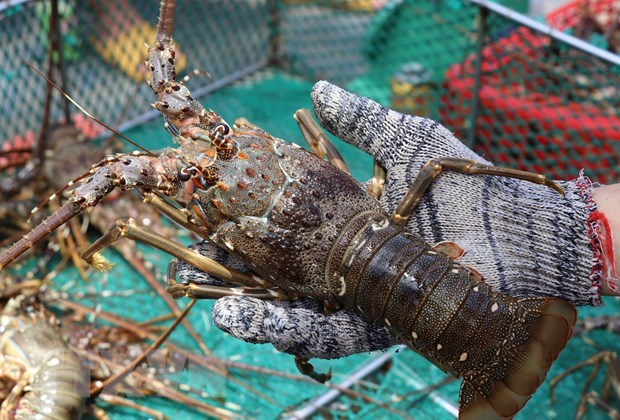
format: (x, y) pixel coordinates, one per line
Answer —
(502, 346)
(395, 279)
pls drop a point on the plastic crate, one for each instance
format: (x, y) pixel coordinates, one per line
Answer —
(567, 16)
(524, 121)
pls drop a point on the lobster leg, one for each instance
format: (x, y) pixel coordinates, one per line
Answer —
(607, 358)
(10, 402)
(320, 144)
(307, 369)
(128, 228)
(213, 290)
(433, 168)
(205, 291)
(12, 290)
(171, 212)
(594, 399)
(377, 182)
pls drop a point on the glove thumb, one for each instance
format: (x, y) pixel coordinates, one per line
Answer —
(299, 328)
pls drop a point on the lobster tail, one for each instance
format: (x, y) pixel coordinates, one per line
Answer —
(546, 324)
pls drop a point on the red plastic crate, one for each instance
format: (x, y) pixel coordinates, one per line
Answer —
(567, 16)
(519, 127)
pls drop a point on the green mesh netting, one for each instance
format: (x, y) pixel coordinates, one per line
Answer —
(541, 105)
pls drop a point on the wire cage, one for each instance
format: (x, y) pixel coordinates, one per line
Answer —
(531, 101)
(519, 93)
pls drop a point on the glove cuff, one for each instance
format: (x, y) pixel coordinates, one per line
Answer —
(564, 237)
(600, 242)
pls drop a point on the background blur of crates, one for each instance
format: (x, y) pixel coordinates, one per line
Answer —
(536, 103)
(515, 94)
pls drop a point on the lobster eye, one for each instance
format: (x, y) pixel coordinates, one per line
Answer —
(183, 175)
(223, 129)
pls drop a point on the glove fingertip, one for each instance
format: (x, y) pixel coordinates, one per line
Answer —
(359, 121)
(339, 112)
(241, 317)
(326, 101)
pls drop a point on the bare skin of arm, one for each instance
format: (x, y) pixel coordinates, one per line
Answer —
(607, 199)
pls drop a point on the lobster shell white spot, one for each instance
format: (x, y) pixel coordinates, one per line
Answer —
(379, 226)
(343, 289)
(360, 245)
(53, 362)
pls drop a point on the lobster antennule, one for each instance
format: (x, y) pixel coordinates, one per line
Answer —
(162, 57)
(548, 332)
(165, 25)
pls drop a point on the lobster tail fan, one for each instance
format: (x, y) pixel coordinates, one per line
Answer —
(548, 325)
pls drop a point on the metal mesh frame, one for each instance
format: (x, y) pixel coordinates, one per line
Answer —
(537, 103)
(209, 37)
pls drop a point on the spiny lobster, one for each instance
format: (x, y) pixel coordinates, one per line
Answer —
(310, 229)
(35, 357)
(50, 359)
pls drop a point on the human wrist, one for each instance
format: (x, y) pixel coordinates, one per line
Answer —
(607, 200)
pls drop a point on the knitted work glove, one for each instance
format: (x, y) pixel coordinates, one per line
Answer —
(300, 328)
(525, 239)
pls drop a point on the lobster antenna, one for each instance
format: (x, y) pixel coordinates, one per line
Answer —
(59, 191)
(66, 95)
(73, 182)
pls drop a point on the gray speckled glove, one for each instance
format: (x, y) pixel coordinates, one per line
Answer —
(300, 328)
(525, 239)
